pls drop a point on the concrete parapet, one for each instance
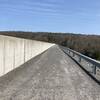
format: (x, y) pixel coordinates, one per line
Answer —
(16, 51)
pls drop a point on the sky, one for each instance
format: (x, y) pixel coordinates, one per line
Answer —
(74, 16)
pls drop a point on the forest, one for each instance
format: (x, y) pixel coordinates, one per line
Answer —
(88, 45)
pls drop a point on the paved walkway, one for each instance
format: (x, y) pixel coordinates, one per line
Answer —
(50, 76)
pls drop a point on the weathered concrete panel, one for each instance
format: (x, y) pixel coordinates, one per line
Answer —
(28, 50)
(9, 54)
(19, 52)
(1, 55)
(16, 51)
(39, 47)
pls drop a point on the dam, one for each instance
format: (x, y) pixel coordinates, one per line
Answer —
(35, 70)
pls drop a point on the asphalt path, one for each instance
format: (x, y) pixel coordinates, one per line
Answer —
(52, 75)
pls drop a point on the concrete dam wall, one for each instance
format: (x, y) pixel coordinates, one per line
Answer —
(16, 51)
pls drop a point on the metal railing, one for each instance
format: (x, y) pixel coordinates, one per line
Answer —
(80, 57)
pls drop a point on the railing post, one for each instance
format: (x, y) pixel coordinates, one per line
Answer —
(73, 54)
(79, 59)
(69, 51)
(94, 69)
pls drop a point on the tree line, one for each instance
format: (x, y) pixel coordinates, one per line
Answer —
(88, 45)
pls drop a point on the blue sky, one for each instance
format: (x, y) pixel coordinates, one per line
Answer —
(78, 16)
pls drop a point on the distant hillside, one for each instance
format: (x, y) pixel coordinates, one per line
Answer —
(86, 44)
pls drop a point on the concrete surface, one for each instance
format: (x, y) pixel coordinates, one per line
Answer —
(16, 51)
(49, 76)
